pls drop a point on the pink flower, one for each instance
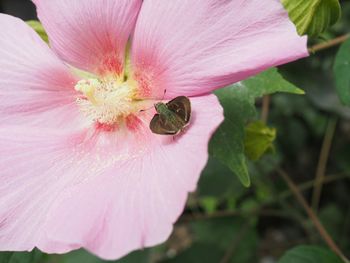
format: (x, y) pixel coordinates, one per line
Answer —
(79, 166)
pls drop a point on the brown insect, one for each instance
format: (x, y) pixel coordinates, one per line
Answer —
(171, 117)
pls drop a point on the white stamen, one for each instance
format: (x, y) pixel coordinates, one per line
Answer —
(106, 101)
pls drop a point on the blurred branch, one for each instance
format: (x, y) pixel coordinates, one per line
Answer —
(307, 185)
(261, 212)
(318, 225)
(220, 214)
(328, 44)
(322, 163)
(265, 108)
(293, 211)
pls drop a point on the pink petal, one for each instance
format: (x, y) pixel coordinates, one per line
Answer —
(110, 192)
(35, 86)
(90, 34)
(193, 47)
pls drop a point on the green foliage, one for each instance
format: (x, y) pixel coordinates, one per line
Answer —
(309, 254)
(38, 27)
(209, 204)
(238, 101)
(313, 17)
(258, 140)
(342, 72)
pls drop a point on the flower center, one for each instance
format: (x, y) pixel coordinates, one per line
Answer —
(107, 101)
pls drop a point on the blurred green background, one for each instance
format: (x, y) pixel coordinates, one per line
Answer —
(226, 222)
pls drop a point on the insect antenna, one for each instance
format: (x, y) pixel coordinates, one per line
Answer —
(153, 105)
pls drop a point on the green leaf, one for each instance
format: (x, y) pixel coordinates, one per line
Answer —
(342, 73)
(310, 254)
(38, 27)
(82, 255)
(21, 257)
(258, 140)
(313, 17)
(268, 82)
(5, 257)
(217, 181)
(227, 144)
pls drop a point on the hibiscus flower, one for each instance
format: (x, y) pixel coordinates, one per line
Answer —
(79, 165)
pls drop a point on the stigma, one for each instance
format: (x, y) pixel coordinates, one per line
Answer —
(107, 101)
